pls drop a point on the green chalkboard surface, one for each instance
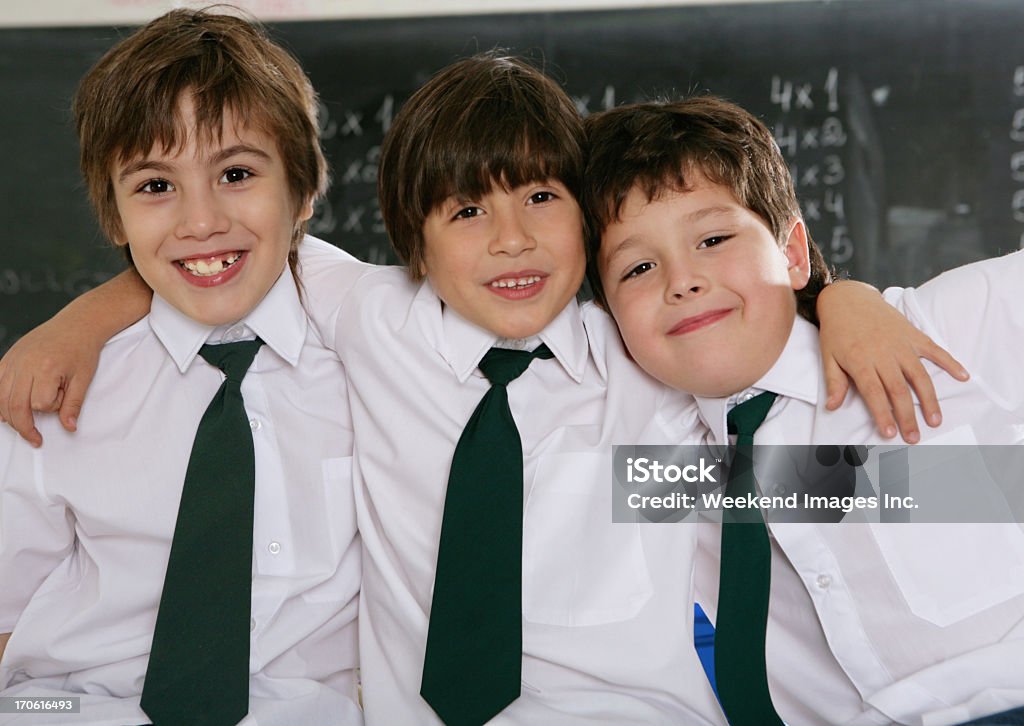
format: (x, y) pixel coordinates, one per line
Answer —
(903, 122)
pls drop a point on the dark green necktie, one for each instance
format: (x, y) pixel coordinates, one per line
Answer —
(471, 670)
(199, 663)
(744, 584)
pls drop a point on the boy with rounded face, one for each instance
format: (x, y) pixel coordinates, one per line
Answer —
(199, 148)
(702, 257)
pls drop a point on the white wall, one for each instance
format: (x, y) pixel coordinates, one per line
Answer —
(134, 12)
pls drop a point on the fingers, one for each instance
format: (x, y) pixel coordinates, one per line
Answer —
(902, 381)
(938, 355)
(876, 398)
(74, 397)
(837, 385)
(915, 374)
(902, 403)
(18, 412)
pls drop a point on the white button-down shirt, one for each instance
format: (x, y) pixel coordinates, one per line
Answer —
(86, 522)
(906, 623)
(607, 608)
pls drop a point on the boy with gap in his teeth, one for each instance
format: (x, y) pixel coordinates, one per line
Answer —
(478, 181)
(700, 253)
(199, 148)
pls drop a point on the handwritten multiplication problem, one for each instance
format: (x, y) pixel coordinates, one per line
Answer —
(811, 133)
(1017, 154)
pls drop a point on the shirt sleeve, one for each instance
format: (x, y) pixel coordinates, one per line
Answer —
(36, 534)
(975, 312)
(326, 277)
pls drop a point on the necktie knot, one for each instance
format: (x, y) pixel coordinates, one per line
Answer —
(233, 359)
(502, 366)
(744, 419)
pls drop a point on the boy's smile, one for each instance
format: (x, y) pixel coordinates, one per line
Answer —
(509, 262)
(210, 270)
(696, 322)
(519, 285)
(209, 224)
(700, 289)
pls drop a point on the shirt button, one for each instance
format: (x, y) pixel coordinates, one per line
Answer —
(252, 625)
(235, 333)
(255, 424)
(747, 396)
(824, 582)
(274, 547)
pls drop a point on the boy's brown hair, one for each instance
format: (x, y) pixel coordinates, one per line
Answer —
(128, 102)
(654, 145)
(483, 120)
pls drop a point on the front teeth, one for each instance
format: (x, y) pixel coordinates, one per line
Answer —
(521, 282)
(202, 268)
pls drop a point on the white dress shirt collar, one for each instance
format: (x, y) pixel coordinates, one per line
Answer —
(463, 344)
(796, 373)
(278, 319)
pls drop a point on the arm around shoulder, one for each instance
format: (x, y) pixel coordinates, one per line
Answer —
(50, 368)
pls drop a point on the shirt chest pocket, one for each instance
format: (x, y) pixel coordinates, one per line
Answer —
(333, 542)
(579, 568)
(949, 572)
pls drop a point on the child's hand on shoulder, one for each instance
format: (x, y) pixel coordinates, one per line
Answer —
(865, 339)
(47, 370)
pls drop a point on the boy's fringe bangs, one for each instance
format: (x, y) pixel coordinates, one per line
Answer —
(495, 142)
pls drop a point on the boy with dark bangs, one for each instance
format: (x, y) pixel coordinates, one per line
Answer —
(199, 148)
(541, 610)
(697, 251)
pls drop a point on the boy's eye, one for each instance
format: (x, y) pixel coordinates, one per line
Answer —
(235, 174)
(713, 241)
(156, 186)
(639, 270)
(541, 197)
(468, 213)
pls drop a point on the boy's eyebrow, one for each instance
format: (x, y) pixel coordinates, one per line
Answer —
(690, 218)
(699, 214)
(622, 246)
(141, 164)
(237, 149)
(165, 168)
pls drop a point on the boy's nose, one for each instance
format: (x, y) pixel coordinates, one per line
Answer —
(511, 236)
(683, 284)
(201, 217)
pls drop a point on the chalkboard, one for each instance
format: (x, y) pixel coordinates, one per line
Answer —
(903, 122)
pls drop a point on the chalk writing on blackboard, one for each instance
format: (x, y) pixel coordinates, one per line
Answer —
(811, 134)
(1017, 156)
(49, 280)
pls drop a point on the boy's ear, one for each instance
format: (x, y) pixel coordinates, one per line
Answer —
(797, 256)
(306, 209)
